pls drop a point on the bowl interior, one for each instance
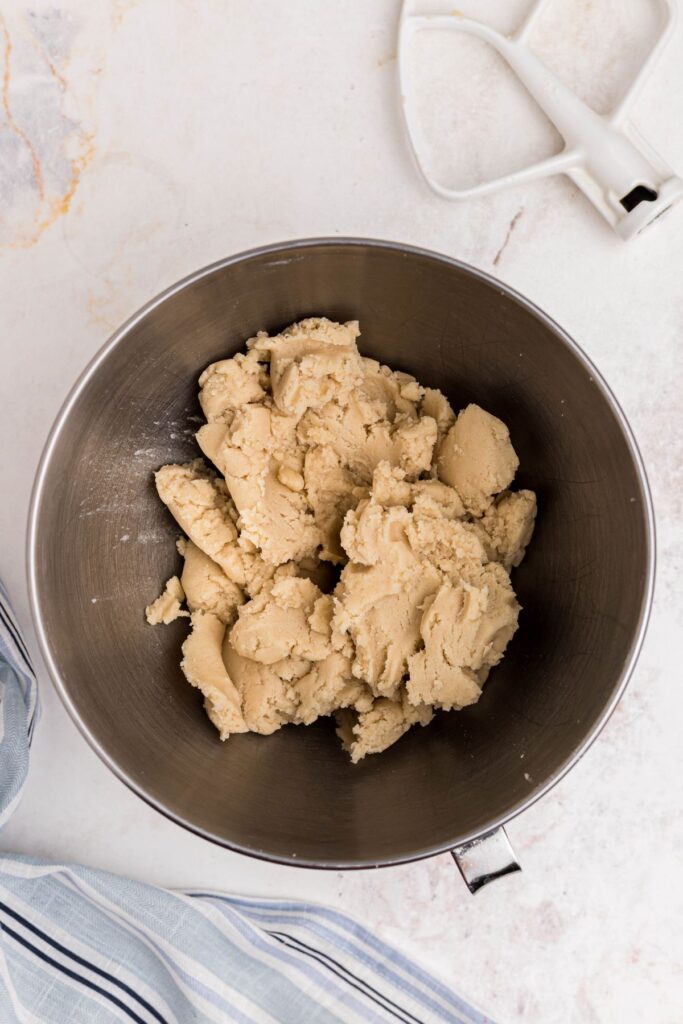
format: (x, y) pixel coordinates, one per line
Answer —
(103, 545)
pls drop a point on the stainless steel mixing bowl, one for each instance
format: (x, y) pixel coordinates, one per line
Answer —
(101, 545)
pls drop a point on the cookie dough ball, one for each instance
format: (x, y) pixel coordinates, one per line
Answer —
(477, 458)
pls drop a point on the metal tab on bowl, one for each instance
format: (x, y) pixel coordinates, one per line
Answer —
(485, 859)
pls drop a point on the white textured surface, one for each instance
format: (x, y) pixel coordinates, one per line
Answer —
(139, 141)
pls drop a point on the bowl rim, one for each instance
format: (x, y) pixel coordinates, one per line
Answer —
(275, 249)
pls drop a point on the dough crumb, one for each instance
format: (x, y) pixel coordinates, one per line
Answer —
(168, 606)
(349, 553)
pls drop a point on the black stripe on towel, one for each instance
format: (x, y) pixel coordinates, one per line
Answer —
(83, 963)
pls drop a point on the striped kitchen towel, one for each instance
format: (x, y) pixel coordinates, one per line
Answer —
(18, 709)
(80, 946)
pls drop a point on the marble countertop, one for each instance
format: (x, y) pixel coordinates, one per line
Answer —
(142, 140)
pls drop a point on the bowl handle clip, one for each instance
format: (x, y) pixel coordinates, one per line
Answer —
(486, 858)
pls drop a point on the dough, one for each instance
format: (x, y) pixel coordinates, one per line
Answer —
(267, 697)
(206, 586)
(230, 385)
(200, 504)
(291, 617)
(419, 595)
(258, 456)
(168, 606)
(465, 628)
(507, 525)
(324, 459)
(311, 363)
(204, 667)
(437, 406)
(371, 731)
(297, 427)
(477, 458)
(328, 686)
